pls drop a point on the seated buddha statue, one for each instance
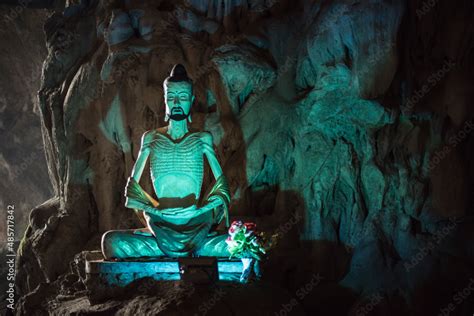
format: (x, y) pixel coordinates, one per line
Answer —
(177, 224)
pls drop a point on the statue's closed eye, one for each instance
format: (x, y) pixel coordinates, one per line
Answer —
(181, 97)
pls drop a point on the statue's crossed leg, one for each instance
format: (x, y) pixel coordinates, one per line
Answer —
(130, 244)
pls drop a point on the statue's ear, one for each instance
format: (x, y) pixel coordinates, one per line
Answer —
(189, 116)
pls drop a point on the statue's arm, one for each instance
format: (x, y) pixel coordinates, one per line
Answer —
(139, 166)
(211, 154)
(219, 194)
(143, 154)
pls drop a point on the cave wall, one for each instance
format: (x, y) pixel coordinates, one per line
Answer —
(23, 170)
(349, 120)
(23, 167)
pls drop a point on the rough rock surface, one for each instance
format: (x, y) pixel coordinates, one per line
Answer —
(23, 171)
(343, 125)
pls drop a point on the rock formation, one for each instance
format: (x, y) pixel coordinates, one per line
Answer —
(343, 125)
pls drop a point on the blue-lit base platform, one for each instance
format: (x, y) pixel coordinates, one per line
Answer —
(121, 273)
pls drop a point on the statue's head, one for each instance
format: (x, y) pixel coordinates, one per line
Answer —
(178, 93)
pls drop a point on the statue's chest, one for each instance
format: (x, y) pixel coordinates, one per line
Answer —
(185, 157)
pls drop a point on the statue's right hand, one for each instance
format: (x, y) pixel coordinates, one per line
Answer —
(134, 203)
(154, 212)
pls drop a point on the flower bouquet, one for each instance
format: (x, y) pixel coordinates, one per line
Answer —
(245, 242)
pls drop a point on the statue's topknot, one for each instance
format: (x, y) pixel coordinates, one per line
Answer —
(178, 73)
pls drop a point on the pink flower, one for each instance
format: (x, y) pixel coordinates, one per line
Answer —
(250, 226)
(235, 228)
(237, 224)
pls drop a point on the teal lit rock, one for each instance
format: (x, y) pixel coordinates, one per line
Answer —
(310, 107)
(113, 128)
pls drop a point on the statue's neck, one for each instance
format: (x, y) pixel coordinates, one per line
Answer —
(177, 129)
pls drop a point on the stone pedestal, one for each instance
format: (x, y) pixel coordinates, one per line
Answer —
(121, 273)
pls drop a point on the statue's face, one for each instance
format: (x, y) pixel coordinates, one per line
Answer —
(178, 99)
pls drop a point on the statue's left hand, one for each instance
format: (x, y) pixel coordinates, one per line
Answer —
(177, 216)
(181, 215)
(184, 215)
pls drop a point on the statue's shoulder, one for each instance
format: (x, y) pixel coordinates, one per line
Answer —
(160, 131)
(150, 136)
(205, 136)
